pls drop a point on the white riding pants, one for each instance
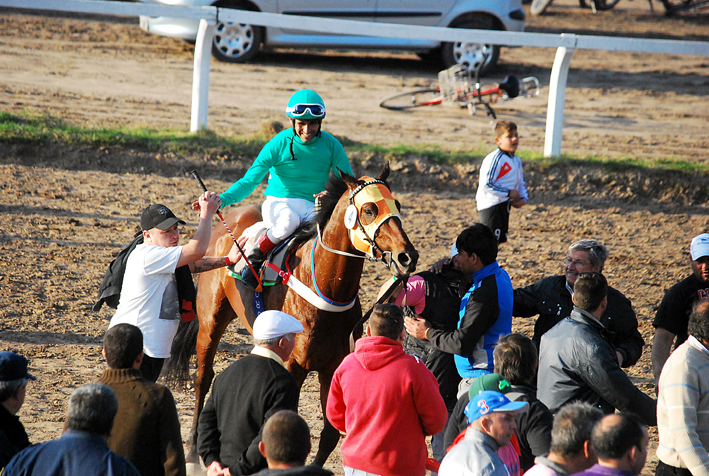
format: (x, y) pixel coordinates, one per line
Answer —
(283, 215)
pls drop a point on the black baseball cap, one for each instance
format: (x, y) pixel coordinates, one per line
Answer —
(13, 367)
(158, 216)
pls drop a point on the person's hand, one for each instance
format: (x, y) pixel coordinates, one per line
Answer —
(321, 194)
(518, 203)
(513, 194)
(209, 203)
(234, 254)
(437, 267)
(215, 469)
(416, 327)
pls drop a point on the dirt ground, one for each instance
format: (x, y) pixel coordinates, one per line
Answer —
(66, 211)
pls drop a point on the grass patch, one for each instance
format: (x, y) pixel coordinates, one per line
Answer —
(33, 129)
(617, 164)
(29, 128)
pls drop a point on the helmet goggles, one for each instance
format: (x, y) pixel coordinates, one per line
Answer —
(299, 110)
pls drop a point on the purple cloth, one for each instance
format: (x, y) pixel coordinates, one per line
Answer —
(598, 470)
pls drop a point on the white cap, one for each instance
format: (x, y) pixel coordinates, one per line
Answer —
(271, 324)
(454, 250)
(700, 246)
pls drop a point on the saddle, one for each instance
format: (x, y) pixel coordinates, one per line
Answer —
(278, 256)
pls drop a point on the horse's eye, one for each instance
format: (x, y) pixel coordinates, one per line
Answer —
(369, 213)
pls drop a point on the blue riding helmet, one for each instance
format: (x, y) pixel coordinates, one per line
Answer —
(306, 104)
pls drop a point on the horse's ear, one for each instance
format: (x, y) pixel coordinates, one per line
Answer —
(384, 173)
(348, 179)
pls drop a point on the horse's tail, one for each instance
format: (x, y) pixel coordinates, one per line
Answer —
(177, 367)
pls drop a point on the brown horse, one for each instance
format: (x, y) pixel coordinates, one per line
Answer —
(325, 341)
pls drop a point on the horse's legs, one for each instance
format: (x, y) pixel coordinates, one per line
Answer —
(210, 333)
(329, 436)
(299, 373)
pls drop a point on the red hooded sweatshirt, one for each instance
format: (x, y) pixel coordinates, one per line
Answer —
(387, 402)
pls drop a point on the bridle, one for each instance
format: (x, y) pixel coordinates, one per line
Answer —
(363, 237)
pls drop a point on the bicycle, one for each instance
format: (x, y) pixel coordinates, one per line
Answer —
(677, 7)
(672, 7)
(539, 6)
(455, 86)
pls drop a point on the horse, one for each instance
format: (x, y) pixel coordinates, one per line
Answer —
(337, 240)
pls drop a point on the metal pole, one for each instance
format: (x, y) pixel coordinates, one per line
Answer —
(557, 98)
(200, 77)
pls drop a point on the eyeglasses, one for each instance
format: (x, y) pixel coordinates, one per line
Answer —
(577, 263)
(301, 109)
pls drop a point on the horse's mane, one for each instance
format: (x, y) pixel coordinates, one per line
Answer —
(335, 187)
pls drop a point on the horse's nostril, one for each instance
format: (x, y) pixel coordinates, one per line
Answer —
(404, 259)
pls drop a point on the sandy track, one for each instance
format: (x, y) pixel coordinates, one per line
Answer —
(60, 226)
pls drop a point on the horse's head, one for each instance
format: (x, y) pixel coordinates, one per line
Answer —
(374, 224)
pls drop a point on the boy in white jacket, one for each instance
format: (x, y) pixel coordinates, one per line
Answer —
(502, 183)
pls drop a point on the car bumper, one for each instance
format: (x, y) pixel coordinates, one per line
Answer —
(174, 27)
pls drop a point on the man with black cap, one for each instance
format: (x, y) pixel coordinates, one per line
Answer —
(13, 384)
(245, 395)
(149, 297)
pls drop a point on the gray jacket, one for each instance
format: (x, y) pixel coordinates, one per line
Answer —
(577, 362)
(475, 455)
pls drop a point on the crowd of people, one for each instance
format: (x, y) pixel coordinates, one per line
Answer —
(440, 361)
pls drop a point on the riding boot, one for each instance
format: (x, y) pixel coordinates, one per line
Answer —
(256, 257)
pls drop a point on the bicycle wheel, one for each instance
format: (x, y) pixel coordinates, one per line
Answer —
(673, 7)
(601, 5)
(539, 6)
(420, 97)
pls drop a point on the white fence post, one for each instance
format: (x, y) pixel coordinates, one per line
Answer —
(557, 98)
(200, 76)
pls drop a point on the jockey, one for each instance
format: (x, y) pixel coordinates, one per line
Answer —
(298, 163)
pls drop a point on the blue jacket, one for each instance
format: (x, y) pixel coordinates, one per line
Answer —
(76, 452)
(485, 315)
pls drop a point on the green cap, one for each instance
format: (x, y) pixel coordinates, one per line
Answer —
(493, 382)
(306, 104)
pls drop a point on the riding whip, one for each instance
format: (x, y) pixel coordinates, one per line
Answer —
(221, 217)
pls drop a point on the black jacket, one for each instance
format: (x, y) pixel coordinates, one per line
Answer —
(552, 301)
(441, 311)
(533, 426)
(577, 362)
(243, 397)
(13, 437)
(310, 470)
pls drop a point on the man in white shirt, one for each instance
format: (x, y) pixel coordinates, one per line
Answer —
(149, 296)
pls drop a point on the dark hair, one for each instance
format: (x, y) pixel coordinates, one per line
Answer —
(478, 239)
(387, 320)
(286, 438)
(616, 434)
(597, 253)
(573, 425)
(516, 359)
(589, 291)
(122, 343)
(699, 320)
(503, 127)
(92, 408)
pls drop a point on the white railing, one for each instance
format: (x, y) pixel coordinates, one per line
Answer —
(565, 43)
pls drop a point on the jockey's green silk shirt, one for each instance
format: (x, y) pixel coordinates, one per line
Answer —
(300, 178)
